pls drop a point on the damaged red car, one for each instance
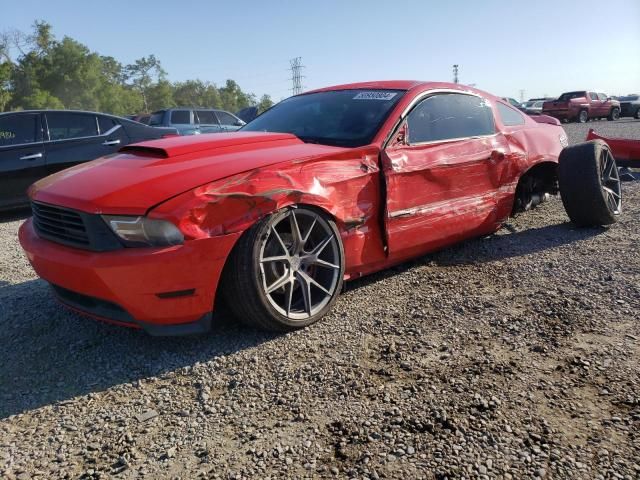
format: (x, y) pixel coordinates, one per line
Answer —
(326, 186)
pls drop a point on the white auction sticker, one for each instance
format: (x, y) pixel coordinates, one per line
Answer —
(375, 95)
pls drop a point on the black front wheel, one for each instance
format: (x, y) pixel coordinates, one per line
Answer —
(590, 184)
(286, 271)
(637, 115)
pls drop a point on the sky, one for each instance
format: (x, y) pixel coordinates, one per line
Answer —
(502, 46)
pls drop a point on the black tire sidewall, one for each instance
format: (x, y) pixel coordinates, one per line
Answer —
(581, 186)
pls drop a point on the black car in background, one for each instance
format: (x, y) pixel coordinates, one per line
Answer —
(630, 106)
(37, 143)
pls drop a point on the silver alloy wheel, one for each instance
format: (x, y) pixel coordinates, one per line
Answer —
(583, 116)
(300, 263)
(610, 180)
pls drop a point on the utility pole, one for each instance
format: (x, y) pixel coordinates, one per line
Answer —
(296, 77)
(455, 73)
(521, 96)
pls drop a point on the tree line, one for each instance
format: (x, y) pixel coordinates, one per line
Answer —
(39, 71)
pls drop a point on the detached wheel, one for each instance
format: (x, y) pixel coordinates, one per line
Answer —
(583, 116)
(615, 114)
(590, 184)
(286, 271)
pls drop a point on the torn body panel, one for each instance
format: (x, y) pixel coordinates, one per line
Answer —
(345, 185)
(625, 151)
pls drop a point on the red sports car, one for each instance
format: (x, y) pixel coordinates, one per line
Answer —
(326, 186)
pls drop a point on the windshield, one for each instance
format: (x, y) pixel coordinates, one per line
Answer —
(348, 118)
(568, 96)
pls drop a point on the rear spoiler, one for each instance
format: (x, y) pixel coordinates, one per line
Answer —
(546, 119)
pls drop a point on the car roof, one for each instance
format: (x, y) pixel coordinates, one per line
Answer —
(47, 110)
(404, 85)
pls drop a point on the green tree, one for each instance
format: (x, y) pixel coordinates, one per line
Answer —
(6, 70)
(233, 98)
(265, 103)
(142, 74)
(196, 93)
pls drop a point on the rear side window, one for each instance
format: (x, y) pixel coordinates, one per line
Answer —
(64, 125)
(509, 116)
(181, 116)
(594, 96)
(106, 124)
(565, 97)
(226, 118)
(156, 118)
(19, 129)
(449, 116)
(206, 117)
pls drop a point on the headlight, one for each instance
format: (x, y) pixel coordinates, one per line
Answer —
(143, 231)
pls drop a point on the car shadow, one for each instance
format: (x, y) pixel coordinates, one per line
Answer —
(13, 215)
(502, 245)
(49, 354)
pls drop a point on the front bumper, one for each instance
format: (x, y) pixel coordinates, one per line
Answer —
(162, 290)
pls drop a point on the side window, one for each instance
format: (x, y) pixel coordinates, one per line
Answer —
(19, 129)
(206, 117)
(156, 118)
(106, 124)
(594, 96)
(226, 118)
(64, 125)
(602, 97)
(448, 116)
(181, 116)
(509, 116)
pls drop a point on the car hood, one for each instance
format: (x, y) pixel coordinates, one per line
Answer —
(143, 175)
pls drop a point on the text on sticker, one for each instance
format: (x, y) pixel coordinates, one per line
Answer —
(375, 96)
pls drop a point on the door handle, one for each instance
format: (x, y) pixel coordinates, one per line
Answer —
(109, 143)
(32, 156)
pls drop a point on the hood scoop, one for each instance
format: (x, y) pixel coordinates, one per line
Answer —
(174, 146)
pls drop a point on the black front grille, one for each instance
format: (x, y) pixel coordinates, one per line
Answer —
(73, 228)
(60, 225)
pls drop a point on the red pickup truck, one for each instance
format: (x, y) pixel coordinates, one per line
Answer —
(582, 105)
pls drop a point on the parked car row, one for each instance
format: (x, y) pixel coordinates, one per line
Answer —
(37, 143)
(581, 106)
(192, 121)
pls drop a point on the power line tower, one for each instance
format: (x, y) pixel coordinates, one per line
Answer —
(296, 77)
(521, 96)
(455, 73)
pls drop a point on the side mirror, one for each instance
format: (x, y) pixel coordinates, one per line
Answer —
(239, 123)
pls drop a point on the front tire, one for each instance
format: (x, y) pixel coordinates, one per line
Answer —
(286, 271)
(615, 114)
(637, 115)
(590, 184)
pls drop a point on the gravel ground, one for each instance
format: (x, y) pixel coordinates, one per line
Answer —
(511, 356)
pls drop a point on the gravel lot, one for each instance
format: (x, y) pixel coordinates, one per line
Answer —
(511, 356)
